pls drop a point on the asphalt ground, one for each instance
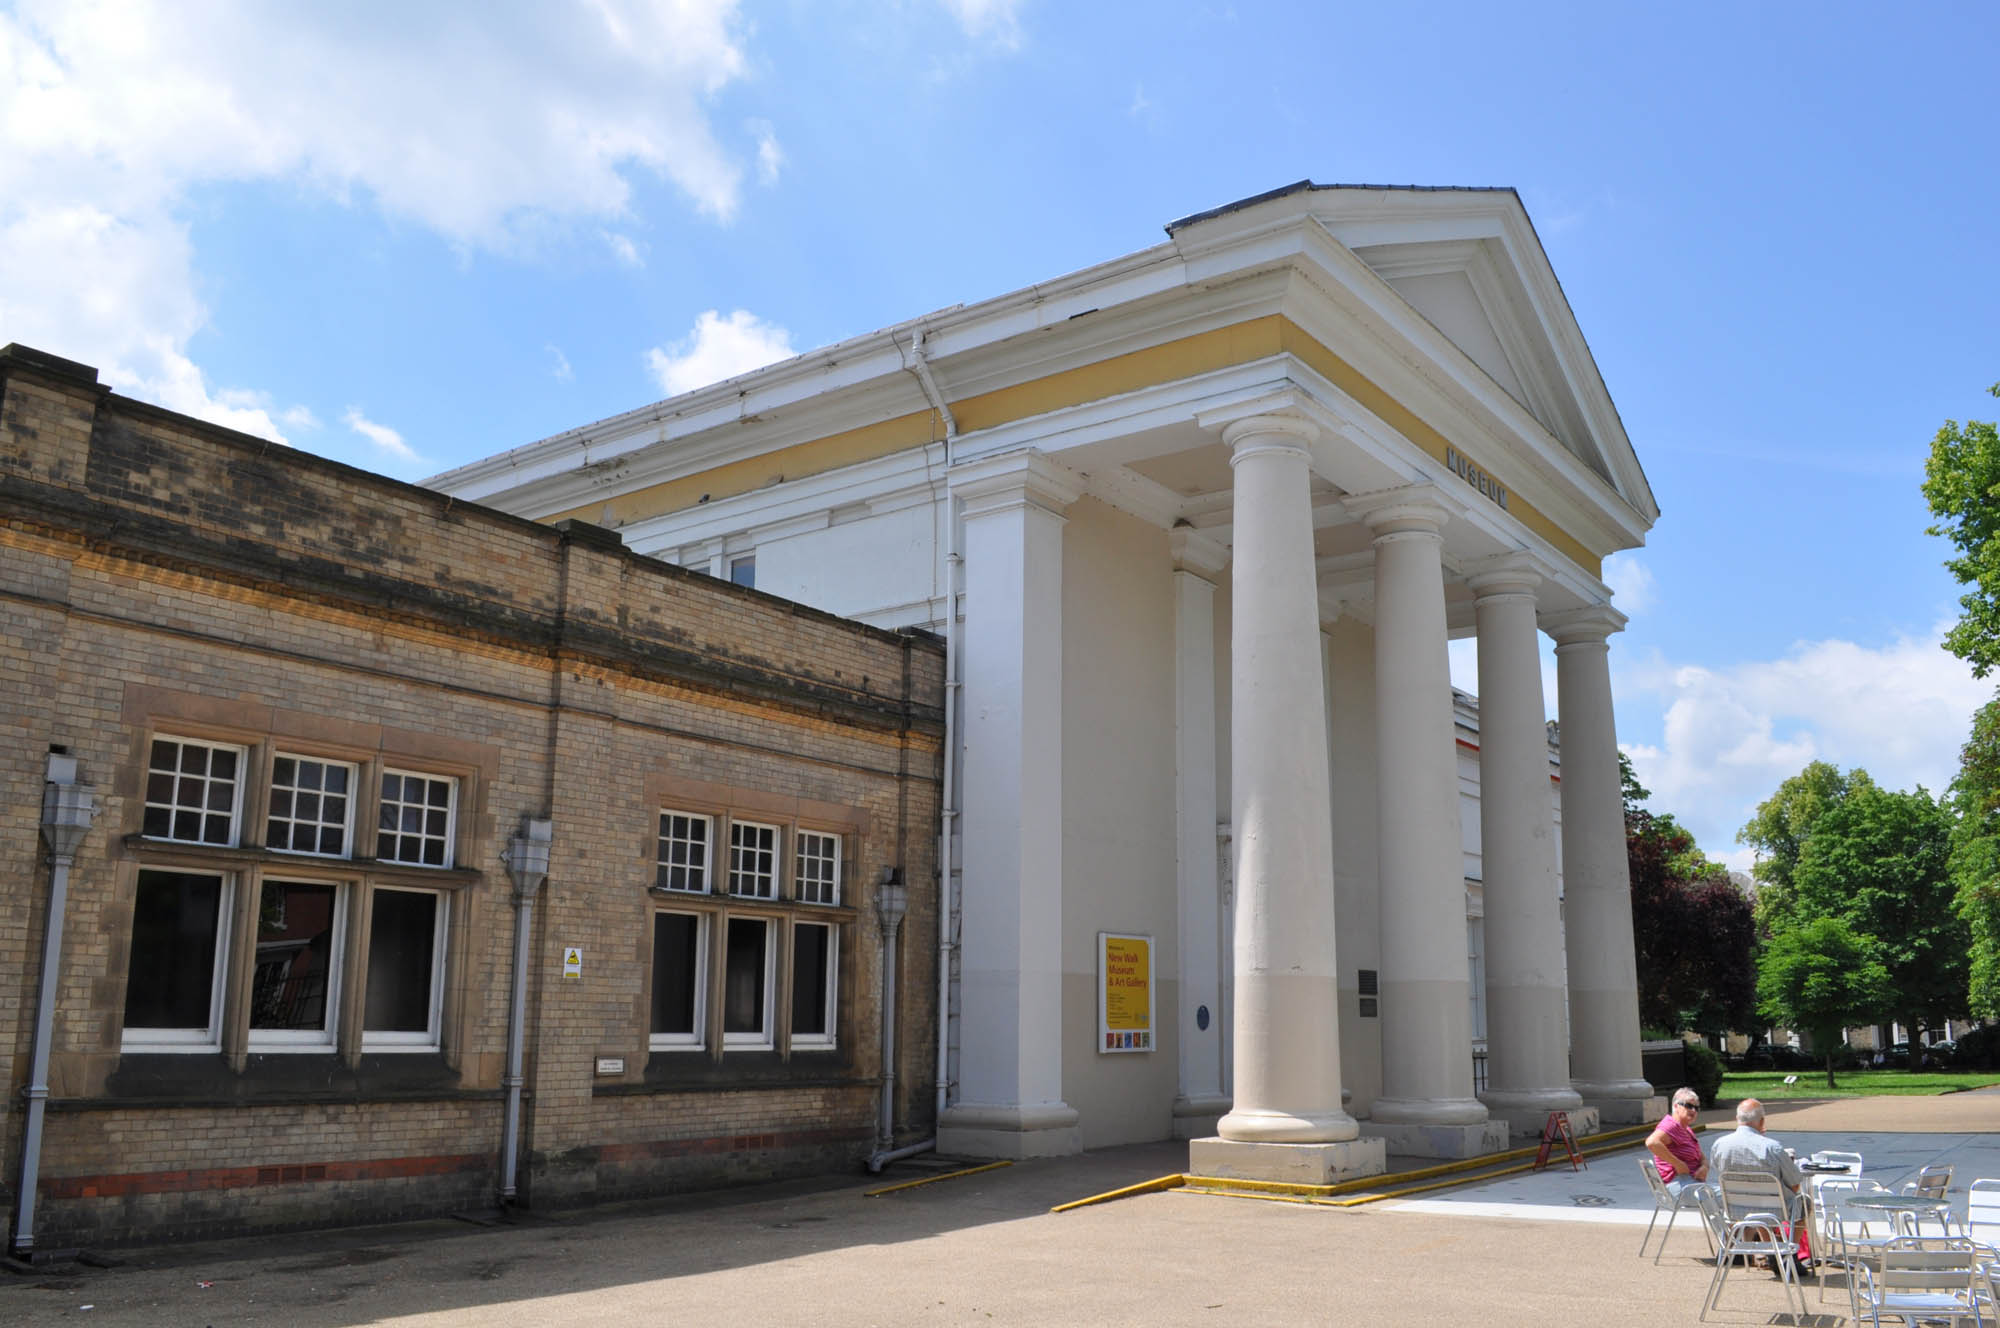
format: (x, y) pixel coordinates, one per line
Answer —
(1556, 1247)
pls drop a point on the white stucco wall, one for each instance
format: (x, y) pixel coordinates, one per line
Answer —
(1119, 823)
(859, 568)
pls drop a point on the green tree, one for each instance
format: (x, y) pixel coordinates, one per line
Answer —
(1879, 860)
(1975, 857)
(1962, 485)
(1783, 822)
(1819, 974)
(1635, 792)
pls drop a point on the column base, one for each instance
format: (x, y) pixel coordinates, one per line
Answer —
(1476, 1140)
(1527, 1113)
(1287, 1164)
(1619, 1102)
(1048, 1129)
(1195, 1117)
(1428, 1111)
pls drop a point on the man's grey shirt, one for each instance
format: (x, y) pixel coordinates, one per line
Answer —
(1745, 1149)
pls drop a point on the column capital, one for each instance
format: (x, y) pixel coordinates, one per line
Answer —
(1589, 625)
(1260, 433)
(1196, 554)
(1506, 574)
(1412, 508)
(1015, 479)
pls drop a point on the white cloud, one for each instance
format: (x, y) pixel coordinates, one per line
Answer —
(1731, 735)
(623, 248)
(562, 371)
(770, 157)
(1631, 582)
(995, 21)
(498, 128)
(299, 417)
(716, 349)
(384, 438)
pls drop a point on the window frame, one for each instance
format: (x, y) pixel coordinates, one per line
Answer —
(145, 1039)
(356, 793)
(773, 878)
(765, 1038)
(242, 780)
(285, 1040)
(395, 1041)
(799, 836)
(661, 866)
(829, 986)
(697, 1039)
(450, 835)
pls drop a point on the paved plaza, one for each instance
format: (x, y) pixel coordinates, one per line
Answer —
(1551, 1248)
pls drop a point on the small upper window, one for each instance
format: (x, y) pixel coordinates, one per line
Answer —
(417, 819)
(753, 859)
(193, 790)
(743, 571)
(312, 805)
(818, 878)
(683, 861)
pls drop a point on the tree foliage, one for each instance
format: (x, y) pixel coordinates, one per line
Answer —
(1820, 975)
(1879, 861)
(1962, 485)
(1975, 857)
(1693, 933)
(1782, 824)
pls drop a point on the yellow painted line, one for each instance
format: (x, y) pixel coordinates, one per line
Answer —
(931, 1180)
(1363, 1190)
(1158, 1183)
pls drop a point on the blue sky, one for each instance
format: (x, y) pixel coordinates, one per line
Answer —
(407, 236)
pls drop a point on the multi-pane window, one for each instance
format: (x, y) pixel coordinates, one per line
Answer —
(680, 981)
(312, 804)
(173, 984)
(753, 860)
(416, 820)
(747, 984)
(815, 959)
(295, 988)
(818, 876)
(193, 790)
(406, 930)
(683, 859)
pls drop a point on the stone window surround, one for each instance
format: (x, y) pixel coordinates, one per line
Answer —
(265, 732)
(721, 804)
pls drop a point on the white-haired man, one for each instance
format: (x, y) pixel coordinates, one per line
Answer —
(1748, 1148)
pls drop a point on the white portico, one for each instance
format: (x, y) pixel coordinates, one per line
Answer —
(1198, 524)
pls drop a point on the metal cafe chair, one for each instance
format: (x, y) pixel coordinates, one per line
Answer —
(1920, 1278)
(1762, 1230)
(1666, 1201)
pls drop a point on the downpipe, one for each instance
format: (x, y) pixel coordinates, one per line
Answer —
(527, 859)
(67, 812)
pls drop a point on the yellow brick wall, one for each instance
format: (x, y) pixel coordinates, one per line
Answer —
(158, 574)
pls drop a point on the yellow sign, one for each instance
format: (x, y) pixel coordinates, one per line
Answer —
(1125, 992)
(572, 961)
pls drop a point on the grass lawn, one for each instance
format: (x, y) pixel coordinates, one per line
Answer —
(1768, 1084)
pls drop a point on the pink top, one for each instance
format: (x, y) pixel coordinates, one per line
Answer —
(1682, 1144)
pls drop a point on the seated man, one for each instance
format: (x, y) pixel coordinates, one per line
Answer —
(1748, 1148)
(1676, 1152)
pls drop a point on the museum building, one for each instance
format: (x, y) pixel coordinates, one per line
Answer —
(1196, 526)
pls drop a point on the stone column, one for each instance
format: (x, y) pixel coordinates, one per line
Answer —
(1605, 1064)
(1357, 891)
(1010, 1101)
(1427, 1105)
(1527, 1033)
(1201, 1098)
(1286, 1121)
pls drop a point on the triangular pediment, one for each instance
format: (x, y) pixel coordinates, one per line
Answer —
(1468, 291)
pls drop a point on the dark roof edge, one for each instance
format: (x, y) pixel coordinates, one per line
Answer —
(1307, 186)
